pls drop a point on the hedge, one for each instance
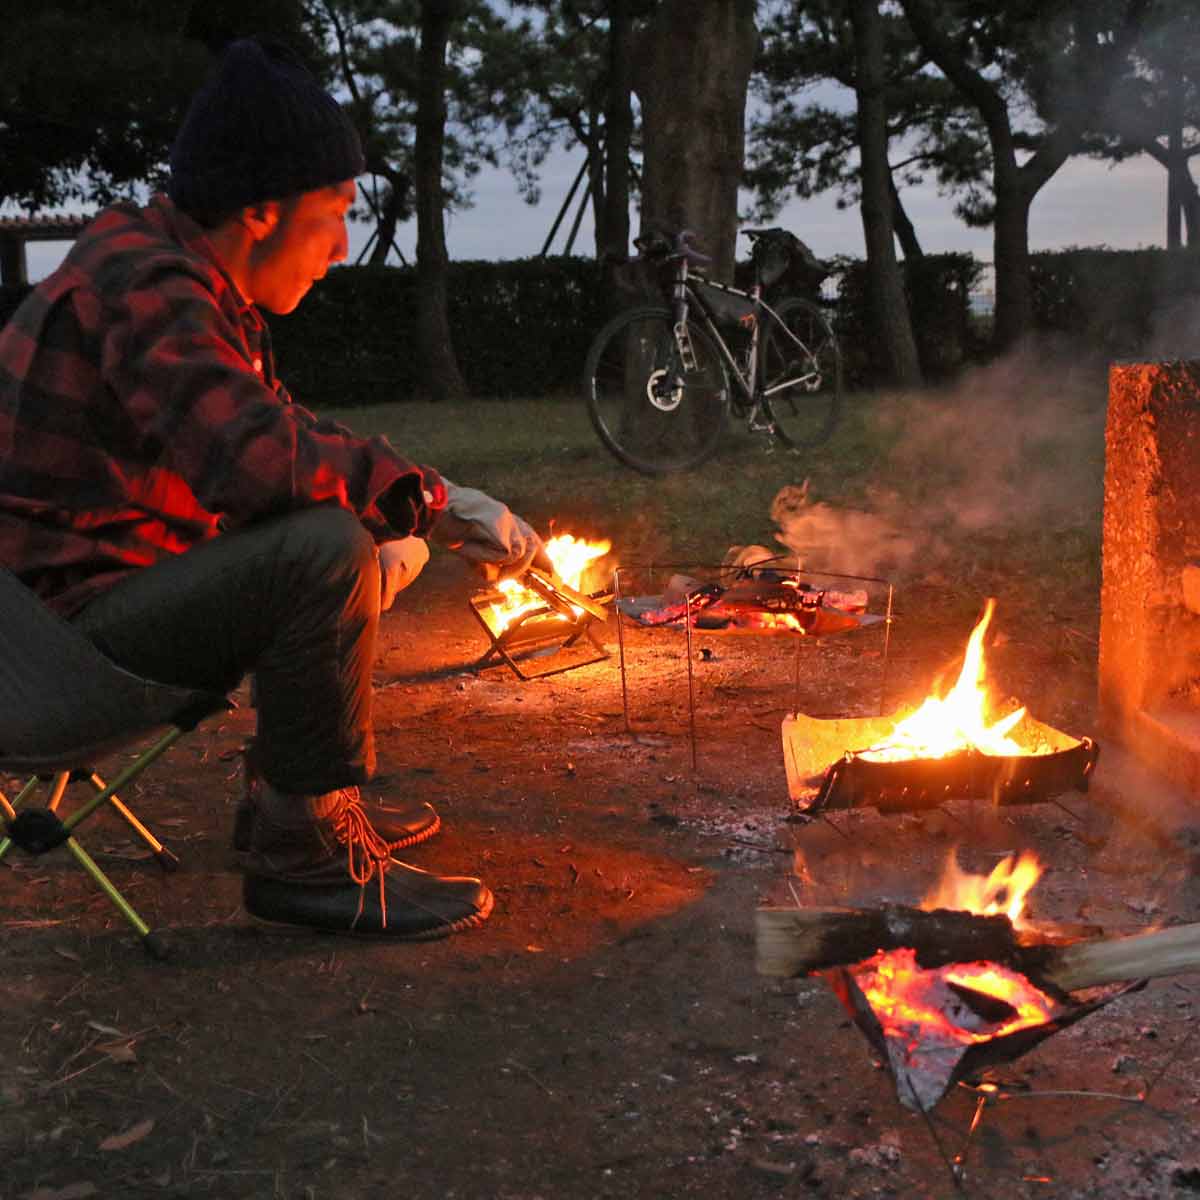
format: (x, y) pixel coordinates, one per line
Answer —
(520, 328)
(523, 327)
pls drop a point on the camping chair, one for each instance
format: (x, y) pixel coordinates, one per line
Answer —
(63, 707)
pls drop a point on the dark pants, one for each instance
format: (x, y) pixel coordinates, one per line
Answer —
(295, 600)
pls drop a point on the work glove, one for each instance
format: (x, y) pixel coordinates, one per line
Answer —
(400, 562)
(488, 534)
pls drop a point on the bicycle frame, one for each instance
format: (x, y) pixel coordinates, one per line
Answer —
(685, 297)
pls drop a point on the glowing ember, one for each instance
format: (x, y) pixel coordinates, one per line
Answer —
(1003, 891)
(956, 721)
(571, 557)
(770, 620)
(918, 1006)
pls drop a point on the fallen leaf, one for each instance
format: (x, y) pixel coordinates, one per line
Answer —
(73, 1191)
(135, 1133)
(117, 1033)
(118, 1052)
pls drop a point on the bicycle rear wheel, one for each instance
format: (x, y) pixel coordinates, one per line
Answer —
(655, 412)
(801, 374)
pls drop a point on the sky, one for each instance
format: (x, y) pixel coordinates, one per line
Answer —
(1088, 203)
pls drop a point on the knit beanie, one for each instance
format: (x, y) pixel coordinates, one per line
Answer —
(261, 128)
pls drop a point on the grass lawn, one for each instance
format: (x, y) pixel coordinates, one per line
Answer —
(997, 483)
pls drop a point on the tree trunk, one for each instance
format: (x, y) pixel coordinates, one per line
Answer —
(440, 378)
(906, 233)
(1010, 256)
(691, 71)
(612, 229)
(1190, 202)
(1175, 162)
(395, 205)
(889, 305)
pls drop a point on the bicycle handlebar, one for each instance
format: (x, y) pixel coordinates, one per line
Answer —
(657, 244)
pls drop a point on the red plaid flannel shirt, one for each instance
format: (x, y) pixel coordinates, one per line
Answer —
(140, 415)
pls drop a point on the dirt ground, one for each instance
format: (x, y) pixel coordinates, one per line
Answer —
(605, 1033)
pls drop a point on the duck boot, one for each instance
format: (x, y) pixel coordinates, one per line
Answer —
(317, 862)
(400, 827)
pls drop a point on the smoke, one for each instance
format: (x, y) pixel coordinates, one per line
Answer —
(1015, 444)
(1175, 332)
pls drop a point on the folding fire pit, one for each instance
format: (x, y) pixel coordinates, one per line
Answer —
(818, 754)
(942, 995)
(958, 1038)
(561, 620)
(947, 748)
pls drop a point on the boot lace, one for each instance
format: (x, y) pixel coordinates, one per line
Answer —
(367, 854)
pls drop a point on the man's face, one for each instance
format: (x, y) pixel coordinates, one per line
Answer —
(308, 239)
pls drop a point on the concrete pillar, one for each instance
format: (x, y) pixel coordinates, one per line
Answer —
(1149, 695)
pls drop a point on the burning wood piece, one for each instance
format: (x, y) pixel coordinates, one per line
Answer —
(760, 598)
(947, 748)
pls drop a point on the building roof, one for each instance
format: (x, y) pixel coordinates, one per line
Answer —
(43, 229)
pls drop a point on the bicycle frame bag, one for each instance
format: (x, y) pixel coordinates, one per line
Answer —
(727, 308)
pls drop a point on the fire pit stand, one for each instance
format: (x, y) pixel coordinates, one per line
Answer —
(551, 628)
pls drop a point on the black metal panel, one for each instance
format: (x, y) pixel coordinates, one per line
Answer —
(910, 785)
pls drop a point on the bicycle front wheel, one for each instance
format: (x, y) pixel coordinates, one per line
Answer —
(657, 401)
(801, 380)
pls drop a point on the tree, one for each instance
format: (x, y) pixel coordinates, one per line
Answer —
(1052, 56)
(886, 285)
(692, 72)
(98, 122)
(804, 146)
(372, 55)
(1155, 110)
(577, 74)
(439, 367)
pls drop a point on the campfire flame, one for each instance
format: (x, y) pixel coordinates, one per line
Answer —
(571, 557)
(1003, 891)
(921, 1008)
(957, 721)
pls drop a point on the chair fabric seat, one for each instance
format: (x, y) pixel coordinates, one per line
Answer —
(62, 702)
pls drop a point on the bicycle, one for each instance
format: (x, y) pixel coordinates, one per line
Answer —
(658, 380)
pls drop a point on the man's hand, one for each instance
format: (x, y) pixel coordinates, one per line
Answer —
(400, 562)
(488, 534)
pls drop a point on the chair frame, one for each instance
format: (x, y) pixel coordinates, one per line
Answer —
(63, 706)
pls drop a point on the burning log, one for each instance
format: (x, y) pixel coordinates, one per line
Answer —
(800, 941)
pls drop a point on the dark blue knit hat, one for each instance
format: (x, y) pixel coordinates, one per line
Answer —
(261, 128)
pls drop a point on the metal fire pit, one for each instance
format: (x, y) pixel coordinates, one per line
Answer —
(816, 756)
(924, 1072)
(553, 628)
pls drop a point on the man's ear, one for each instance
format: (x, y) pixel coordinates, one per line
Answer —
(262, 219)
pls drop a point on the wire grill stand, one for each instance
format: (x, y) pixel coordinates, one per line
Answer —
(799, 638)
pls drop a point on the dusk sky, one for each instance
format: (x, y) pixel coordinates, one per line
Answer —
(1088, 203)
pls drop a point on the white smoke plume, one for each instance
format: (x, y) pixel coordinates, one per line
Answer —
(1018, 442)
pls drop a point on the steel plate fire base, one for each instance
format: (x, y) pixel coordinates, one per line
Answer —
(925, 1071)
(824, 775)
(548, 632)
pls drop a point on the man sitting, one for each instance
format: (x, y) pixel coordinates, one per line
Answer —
(160, 489)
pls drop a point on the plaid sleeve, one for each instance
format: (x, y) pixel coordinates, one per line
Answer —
(178, 364)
